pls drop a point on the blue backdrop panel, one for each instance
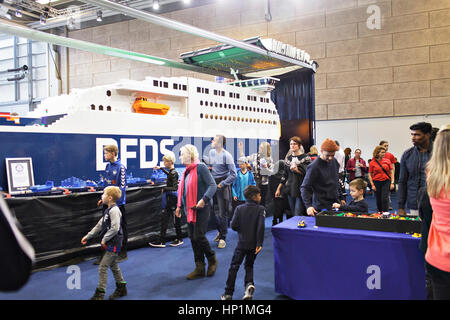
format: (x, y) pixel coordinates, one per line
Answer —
(330, 263)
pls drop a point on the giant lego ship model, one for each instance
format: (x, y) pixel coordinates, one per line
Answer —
(64, 136)
(146, 119)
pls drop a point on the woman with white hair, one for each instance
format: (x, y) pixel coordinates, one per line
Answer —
(195, 191)
(438, 186)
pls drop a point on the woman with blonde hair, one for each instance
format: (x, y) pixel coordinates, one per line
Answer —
(438, 186)
(195, 191)
(381, 177)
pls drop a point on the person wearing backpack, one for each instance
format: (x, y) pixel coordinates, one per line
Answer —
(381, 177)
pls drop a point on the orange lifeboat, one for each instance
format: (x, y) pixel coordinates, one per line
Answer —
(142, 105)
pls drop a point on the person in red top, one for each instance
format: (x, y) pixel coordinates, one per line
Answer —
(392, 159)
(381, 177)
(438, 186)
(388, 155)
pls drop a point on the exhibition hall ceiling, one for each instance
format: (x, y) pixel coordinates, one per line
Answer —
(75, 14)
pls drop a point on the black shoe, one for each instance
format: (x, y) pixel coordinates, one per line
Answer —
(176, 243)
(98, 295)
(121, 291)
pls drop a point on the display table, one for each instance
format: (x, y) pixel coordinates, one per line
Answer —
(331, 263)
(55, 224)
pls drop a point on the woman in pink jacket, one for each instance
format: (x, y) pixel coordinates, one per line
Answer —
(438, 185)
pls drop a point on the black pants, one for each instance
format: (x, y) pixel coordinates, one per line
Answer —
(264, 189)
(197, 231)
(166, 215)
(440, 282)
(280, 205)
(235, 204)
(382, 194)
(236, 261)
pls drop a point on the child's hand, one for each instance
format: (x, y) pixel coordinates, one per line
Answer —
(235, 198)
(83, 241)
(99, 203)
(156, 168)
(336, 205)
(258, 249)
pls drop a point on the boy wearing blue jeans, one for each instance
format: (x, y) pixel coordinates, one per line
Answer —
(248, 221)
(110, 229)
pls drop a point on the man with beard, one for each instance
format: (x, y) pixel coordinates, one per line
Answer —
(412, 167)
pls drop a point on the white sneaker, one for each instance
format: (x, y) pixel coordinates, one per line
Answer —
(157, 245)
(222, 244)
(248, 295)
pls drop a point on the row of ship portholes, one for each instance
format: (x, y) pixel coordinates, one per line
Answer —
(241, 119)
(100, 108)
(234, 107)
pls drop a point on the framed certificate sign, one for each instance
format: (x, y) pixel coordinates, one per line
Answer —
(20, 174)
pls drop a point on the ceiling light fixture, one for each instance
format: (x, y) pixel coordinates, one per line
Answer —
(155, 5)
(99, 16)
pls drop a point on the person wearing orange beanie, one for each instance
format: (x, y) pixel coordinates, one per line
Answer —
(321, 188)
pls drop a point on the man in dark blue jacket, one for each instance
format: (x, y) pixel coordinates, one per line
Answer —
(412, 167)
(248, 221)
(320, 187)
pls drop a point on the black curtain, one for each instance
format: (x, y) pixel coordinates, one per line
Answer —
(295, 101)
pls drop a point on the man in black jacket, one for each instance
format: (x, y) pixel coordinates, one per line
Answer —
(321, 188)
(412, 167)
(248, 221)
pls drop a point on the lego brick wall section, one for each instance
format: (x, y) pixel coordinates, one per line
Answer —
(407, 59)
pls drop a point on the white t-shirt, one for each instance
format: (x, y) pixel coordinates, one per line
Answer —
(340, 157)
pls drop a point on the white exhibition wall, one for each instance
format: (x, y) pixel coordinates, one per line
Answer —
(365, 134)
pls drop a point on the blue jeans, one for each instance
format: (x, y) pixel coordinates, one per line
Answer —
(297, 206)
(223, 200)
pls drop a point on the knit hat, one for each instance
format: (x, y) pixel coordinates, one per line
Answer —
(242, 160)
(329, 145)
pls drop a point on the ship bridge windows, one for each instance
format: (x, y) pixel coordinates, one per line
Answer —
(162, 84)
(202, 90)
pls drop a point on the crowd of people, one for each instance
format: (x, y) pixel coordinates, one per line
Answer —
(300, 184)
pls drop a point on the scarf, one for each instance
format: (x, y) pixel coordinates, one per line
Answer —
(191, 192)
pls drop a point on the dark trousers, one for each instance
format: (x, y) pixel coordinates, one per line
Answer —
(197, 231)
(236, 261)
(440, 282)
(280, 205)
(382, 194)
(222, 198)
(235, 204)
(264, 188)
(167, 214)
